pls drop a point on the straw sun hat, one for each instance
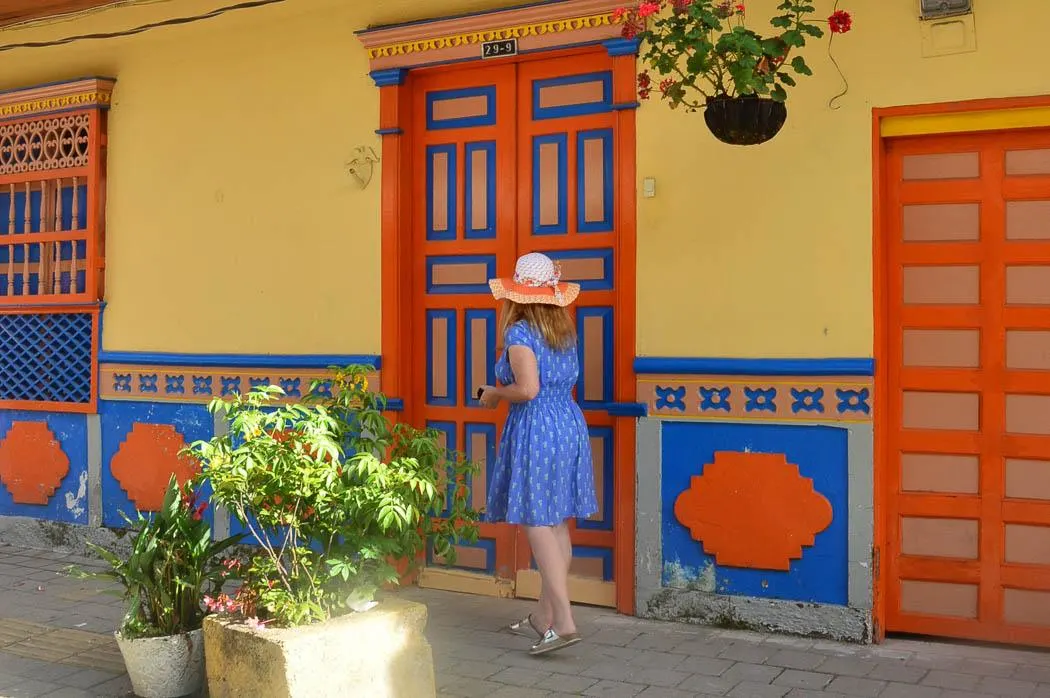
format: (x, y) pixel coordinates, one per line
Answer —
(537, 279)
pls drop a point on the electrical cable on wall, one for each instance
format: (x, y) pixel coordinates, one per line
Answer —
(173, 22)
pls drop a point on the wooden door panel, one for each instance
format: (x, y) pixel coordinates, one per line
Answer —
(969, 405)
(463, 234)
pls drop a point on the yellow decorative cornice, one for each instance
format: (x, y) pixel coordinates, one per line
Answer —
(521, 31)
(52, 104)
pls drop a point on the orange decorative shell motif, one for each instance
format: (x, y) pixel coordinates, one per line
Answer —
(146, 460)
(753, 510)
(32, 463)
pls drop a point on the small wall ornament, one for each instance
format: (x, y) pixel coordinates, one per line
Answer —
(706, 57)
(362, 165)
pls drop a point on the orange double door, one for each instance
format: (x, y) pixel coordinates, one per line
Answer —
(509, 158)
(967, 363)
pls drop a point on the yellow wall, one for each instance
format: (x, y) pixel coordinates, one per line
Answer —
(233, 224)
(234, 227)
(772, 244)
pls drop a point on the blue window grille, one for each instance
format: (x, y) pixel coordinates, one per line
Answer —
(46, 358)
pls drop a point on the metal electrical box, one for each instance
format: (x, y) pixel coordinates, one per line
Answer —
(934, 9)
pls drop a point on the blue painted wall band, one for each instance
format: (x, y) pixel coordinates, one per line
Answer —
(755, 367)
(136, 358)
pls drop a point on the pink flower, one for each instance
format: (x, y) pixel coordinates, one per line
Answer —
(666, 84)
(681, 5)
(648, 9)
(255, 623)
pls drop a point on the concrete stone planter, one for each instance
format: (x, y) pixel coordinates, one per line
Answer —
(380, 654)
(164, 667)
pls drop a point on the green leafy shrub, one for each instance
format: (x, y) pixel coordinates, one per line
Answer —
(173, 564)
(334, 494)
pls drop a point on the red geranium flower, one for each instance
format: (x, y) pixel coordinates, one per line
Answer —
(840, 22)
(739, 8)
(647, 9)
(681, 5)
(619, 13)
(665, 85)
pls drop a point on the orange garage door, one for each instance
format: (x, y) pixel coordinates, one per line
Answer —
(967, 426)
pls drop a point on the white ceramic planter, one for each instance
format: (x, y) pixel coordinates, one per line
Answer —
(164, 667)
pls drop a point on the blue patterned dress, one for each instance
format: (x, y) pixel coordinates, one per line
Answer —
(543, 472)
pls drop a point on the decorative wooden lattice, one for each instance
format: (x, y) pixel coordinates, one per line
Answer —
(47, 357)
(52, 232)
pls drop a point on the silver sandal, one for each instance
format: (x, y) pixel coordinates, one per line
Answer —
(525, 628)
(552, 642)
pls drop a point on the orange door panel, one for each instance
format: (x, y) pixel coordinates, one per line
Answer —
(967, 236)
(510, 158)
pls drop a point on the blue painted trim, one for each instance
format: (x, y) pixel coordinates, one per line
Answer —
(606, 315)
(489, 260)
(540, 113)
(450, 183)
(605, 135)
(606, 255)
(451, 332)
(395, 404)
(488, 457)
(755, 367)
(449, 430)
(486, 119)
(621, 47)
(627, 409)
(389, 77)
(608, 472)
(389, 132)
(136, 358)
(626, 105)
(489, 231)
(489, 316)
(562, 226)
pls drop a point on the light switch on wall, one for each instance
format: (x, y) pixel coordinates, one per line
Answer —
(649, 187)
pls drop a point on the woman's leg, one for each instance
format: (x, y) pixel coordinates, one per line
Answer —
(554, 570)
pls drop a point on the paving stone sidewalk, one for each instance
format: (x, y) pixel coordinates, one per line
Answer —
(56, 641)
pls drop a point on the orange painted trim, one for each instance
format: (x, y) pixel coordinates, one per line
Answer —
(396, 191)
(973, 105)
(624, 492)
(880, 351)
(62, 96)
(90, 407)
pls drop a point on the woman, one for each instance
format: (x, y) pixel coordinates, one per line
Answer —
(543, 474)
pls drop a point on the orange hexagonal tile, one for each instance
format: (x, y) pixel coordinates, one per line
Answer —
(32, 463)
(753, 510)
(145, 461)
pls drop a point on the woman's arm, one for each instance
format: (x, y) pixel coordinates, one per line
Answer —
(526, 383)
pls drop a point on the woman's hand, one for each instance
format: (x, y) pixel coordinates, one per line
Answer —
(489, 399)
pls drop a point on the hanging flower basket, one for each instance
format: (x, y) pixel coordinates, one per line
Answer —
(744, 120)
(706, 57)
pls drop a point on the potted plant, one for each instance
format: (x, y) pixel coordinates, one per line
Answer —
(335, 497)
(706, 57)
(172, 565)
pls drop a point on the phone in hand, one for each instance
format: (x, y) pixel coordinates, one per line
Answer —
(481, 391)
